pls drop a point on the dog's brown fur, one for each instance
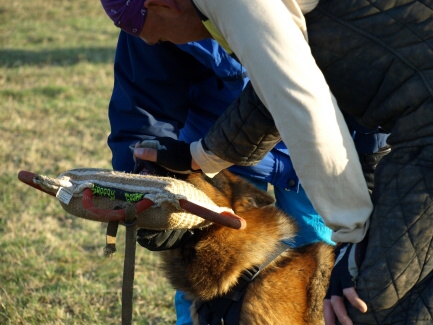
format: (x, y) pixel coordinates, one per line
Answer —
(290, 290)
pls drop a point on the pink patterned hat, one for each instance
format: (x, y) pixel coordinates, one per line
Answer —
(128, 15)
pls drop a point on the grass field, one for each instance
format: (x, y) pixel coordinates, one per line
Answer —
(55, 83)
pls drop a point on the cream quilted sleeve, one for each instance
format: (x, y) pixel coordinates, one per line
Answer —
(269, 38)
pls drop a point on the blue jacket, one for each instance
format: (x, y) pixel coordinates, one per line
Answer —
(179, 92)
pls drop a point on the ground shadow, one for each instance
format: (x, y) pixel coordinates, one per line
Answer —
(60, 57)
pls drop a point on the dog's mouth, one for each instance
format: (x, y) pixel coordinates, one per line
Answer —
(144, 167)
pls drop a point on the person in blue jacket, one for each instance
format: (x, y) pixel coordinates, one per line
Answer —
(179, 91)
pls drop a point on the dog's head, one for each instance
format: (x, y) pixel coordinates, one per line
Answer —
(225, 189)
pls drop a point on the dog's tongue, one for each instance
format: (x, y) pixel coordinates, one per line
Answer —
(144, 171)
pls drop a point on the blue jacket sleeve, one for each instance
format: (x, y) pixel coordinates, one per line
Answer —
(367, 140)
(150, 95)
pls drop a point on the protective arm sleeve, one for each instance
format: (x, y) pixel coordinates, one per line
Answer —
(269, 38)
(245, 133)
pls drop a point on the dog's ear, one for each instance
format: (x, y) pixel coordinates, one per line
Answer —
(247, 196)
(241, 194)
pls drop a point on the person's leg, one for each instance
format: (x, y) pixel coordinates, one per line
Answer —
(298, 206)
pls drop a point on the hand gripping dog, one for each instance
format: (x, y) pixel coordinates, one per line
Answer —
(135, 201)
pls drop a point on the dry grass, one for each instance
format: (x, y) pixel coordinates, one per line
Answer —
(55, 83)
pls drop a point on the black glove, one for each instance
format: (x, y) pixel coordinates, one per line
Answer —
(348, 260)
(174, 155)
(161, 240)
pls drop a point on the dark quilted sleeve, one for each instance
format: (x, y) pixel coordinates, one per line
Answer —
(246, 131)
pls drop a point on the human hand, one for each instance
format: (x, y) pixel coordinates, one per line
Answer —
(342, 283)
(173, 155)
(161, 240)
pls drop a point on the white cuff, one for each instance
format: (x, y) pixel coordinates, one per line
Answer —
(209, 163)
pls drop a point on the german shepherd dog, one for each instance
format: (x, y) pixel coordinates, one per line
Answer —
(290, 288)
